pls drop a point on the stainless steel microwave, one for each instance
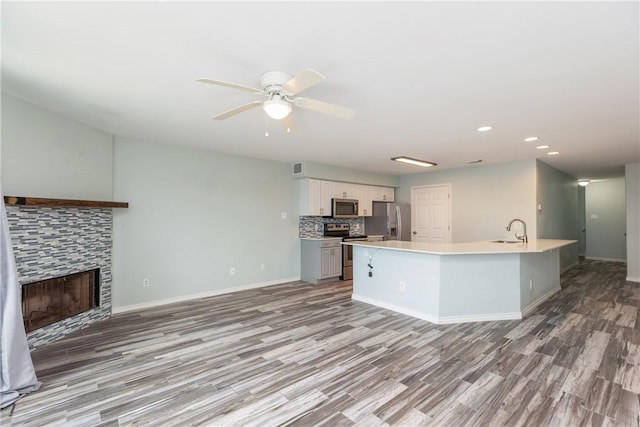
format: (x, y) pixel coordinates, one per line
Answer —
(344, 208)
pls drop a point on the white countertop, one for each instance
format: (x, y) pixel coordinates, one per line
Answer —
(474, 248)
(320, 238)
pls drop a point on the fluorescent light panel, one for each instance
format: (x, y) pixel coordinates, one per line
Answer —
(412, 161)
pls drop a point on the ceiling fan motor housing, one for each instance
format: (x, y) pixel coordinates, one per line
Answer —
(272, 81)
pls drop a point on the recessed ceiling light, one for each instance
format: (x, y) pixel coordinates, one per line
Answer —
(531, 139)
(474, 161)
(484, 128)
(583, 182)
(412, 161)
(542, 147)
(553, 153)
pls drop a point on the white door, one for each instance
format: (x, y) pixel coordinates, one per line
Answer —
(431, 213)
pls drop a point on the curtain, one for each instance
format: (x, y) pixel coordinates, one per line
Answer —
(18, 376)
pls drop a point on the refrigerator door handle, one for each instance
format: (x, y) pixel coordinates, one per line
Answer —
(399, 220)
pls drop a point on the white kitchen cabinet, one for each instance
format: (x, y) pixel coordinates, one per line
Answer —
(315, 197)
(383, 194)
(320, 260)
(365, 194)
(330, 262)
(344, 190)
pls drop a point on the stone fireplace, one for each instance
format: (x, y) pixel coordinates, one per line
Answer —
(51, 242)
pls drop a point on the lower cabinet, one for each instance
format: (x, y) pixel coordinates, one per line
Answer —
(321, 260)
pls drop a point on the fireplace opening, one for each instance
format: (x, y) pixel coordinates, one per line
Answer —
(48, 301)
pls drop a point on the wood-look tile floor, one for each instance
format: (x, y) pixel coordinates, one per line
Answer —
(296, 354)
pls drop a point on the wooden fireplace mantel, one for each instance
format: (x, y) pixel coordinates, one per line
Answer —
(38, 201)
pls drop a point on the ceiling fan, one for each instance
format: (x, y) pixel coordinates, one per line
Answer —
(281, 89)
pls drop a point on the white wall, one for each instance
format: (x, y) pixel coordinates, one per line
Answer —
(48, 155)
(606, 220)
(484, 198)
(337, 173)
(559, 218)
(192, 215)
(632, 196)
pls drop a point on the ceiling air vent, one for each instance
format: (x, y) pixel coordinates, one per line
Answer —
(297, 169)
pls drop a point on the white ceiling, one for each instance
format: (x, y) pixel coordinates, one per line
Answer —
(422, 76)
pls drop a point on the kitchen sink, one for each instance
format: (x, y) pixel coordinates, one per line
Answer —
(506, 241)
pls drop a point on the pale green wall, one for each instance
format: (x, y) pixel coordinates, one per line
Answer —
(337, 173)
(557, 194)
(606, 220)
(48, 155)
(192, 215)
(632, 196)
(484, 198)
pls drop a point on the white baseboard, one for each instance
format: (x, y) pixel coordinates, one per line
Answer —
(444, 320)
(151, 304)
(436, 319)
(633, 279)
(539, 301)
(396, 308)
(595, 258)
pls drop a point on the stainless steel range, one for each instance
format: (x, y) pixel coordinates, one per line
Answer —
(343, 230)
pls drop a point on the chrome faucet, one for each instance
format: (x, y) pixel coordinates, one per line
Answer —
(524, 237)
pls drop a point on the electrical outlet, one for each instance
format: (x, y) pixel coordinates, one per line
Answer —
(402, 287)
(366, 252)
(262, 266)
(283, 215)
(145, 282)
(232, 271)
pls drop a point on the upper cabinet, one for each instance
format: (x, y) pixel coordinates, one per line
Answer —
(365, 194)
(344, 190)
(383, 194)
(316, 195)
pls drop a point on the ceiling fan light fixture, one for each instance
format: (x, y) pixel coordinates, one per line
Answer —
(276, 108)
(412, 161)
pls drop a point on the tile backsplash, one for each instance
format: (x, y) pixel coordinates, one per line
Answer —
(313, 226)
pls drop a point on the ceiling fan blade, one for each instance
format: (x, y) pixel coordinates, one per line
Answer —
(237, 110)
(303, 80)
(288, 124)
(323, 107)
(231, 85)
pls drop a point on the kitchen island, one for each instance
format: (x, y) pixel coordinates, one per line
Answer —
(457, 282)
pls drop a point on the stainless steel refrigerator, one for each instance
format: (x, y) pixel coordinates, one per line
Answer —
(392, 220)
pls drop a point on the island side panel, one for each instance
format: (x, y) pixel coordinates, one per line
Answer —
(419, 272)
(481, 287)
(539, 278)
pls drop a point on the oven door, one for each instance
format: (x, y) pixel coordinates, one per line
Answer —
(347, 259)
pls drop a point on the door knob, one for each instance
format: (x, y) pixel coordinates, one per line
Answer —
(415, 232)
